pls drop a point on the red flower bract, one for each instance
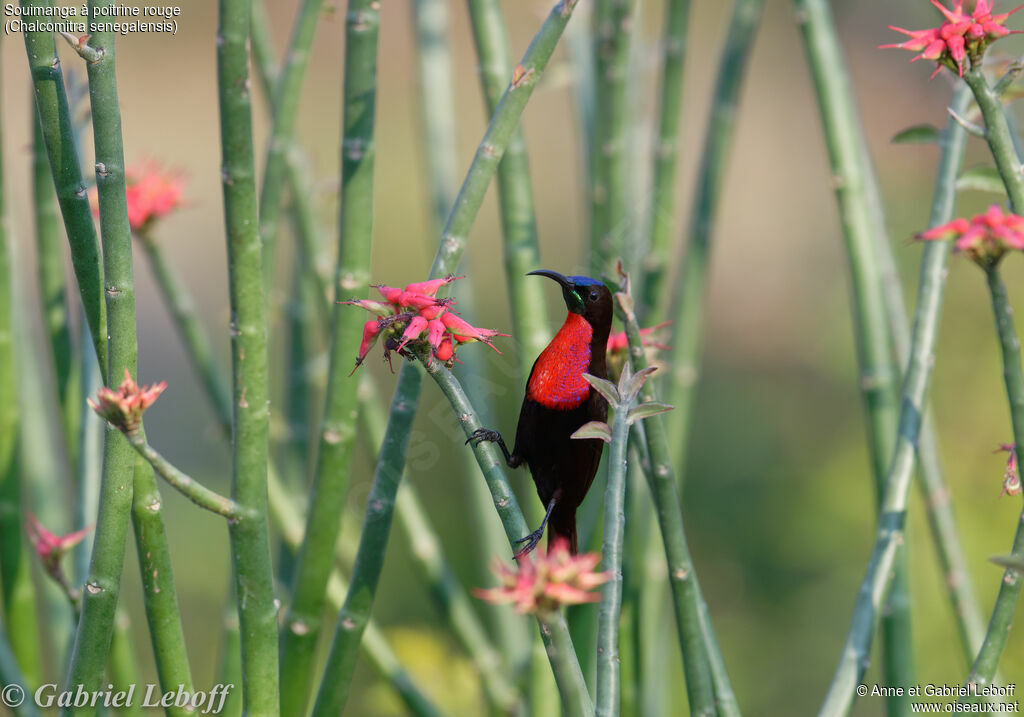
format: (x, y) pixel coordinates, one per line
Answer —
(123, 408)
(985, 237)
(415, 315)
(960, 35)
(546, 580)
(51, 547)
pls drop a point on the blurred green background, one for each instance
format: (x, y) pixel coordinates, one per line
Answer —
(779, 499)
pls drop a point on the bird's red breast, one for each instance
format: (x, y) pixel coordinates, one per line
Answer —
(557, 378)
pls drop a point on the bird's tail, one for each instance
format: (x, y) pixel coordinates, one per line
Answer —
(562, 524)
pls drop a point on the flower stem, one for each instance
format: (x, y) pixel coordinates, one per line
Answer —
(687, 303)
(52, 294)
(707, 681)
(55, 119)
(369, 563)
(998, 136)
(984, 668)
(608, 169)
(661, 223)
(554, 631)
(425, 549)
(337, 432)
(608, 684)
(515, 190)
(254, 580)
(183, 313)
(286, 91)
(876, 353)
(184, 484)
(17, 592)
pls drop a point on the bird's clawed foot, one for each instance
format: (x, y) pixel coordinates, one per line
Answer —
(483, 434)
(531, 541)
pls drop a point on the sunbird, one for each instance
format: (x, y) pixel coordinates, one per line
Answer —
(558, 401)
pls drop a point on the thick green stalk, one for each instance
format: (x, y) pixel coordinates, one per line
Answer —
(608, 685)
(687, 304)
(52, 293)
(190, 330)
(250, 545)
(437, 109)
(229, 668)
(369, 563)
(515, 190)
(707, 681)
(984, 669)
(13, 680)
(160, 594)
(52, 106)
(998, 136)
(303, 622)
(608, 152)
(17, 592)
(661, 223)
(879, 373)
(285, 105)
(425, 548)
(554, 631)
(854, 657)
(123, 665)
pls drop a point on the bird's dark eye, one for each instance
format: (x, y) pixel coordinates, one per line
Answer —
(593, 295)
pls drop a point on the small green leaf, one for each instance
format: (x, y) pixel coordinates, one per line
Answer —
(646, 410)
(630, 386)
(604, 387)
(1014, 562)
(594, 429)
(918, 134)
(982, 179)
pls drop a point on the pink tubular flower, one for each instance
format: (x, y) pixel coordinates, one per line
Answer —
(985, 237)
(960, 36)
(150, 192)
(544, 583)
(50, 547)
(1011, 479)
(124, 407)
(414, 315)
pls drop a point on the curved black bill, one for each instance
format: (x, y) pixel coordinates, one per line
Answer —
(564, 281)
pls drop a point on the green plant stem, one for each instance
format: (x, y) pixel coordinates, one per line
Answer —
(876, 354)
(515, 190)
(661, 223)
(889, 536)
(123, 665)
(287, 89)
(554, 631)
(190, 330)
(52, 294)
(229, 668)
(52, 106)
(303, 622)
(437, 109)
(10, 674)
(355, 613)
(608, 169)
(250, 546)
(425, 548)
(17, 592)
(707, 681)
(984, 668)
(160, 594)
(608, 679)
(184, 484)
(998, 136)
(687, 303)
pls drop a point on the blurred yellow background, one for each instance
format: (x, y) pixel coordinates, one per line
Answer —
(779, 498)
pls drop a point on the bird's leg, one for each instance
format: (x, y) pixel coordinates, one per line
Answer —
(486, 434)
(533, 538)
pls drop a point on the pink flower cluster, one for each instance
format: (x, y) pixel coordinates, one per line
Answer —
(124, 407)
(959, 36)
(50, 547)
(151, 193)
(984, 237)
(553, 578)
(415, 314)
